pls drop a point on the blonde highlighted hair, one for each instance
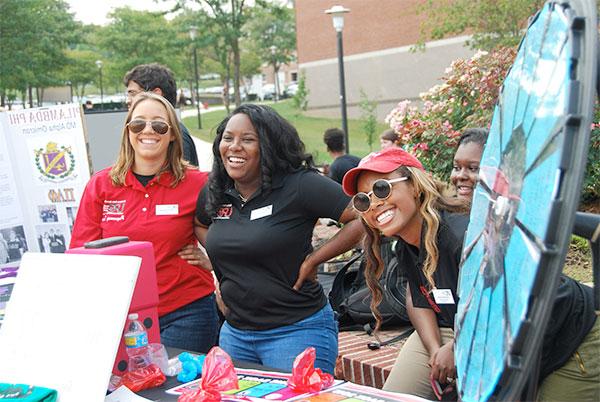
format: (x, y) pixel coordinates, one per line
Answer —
(430, 200)
(174, 162)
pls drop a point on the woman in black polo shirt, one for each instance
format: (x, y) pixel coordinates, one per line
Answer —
(570, 364)
(256, 218)
(396, 197)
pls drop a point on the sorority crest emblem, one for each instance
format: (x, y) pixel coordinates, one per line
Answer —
(55, 163)
(113, 210)
(224, 211)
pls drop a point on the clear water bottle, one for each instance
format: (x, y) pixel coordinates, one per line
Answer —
(136, 343)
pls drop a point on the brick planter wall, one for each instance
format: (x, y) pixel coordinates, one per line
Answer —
(360, 365)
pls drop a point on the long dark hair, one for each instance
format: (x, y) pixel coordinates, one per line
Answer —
(281, 150)
(430, 201)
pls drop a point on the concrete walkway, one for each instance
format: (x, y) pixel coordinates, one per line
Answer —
(204, 151)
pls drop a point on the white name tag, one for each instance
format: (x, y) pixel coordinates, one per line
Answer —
(167, 209)
(443, 296)
(261, 212)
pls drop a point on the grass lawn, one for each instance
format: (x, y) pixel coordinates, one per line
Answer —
(578, 263)
(311, 130)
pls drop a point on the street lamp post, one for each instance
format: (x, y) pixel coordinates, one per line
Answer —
(275, 75)
(337, 12)
(193, 33)
(99, 65)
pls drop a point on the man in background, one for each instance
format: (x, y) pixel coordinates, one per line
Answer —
(342, 162)
(160, 80)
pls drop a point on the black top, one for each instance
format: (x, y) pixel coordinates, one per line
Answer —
(449, 240)
(189, 148)
(341, 165)
(257, 248)
(144, 179)
(571, 320)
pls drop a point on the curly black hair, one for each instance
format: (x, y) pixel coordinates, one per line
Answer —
(281, 150)
(477, 135)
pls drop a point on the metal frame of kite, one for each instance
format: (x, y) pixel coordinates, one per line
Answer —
(521, 357)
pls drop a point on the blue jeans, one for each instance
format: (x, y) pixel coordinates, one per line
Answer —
(278, 347)
(193, 327)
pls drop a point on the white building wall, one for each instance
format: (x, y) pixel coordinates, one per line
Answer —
(386, 76)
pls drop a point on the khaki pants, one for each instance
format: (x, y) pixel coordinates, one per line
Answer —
(410, 374)
(579, 379)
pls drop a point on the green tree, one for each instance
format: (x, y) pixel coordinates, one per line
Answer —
(368, 116)
(300, 100)
(80, 69)
(138, 37)
(272, 30)
(493, 22)
(34, 35)
(228, 19)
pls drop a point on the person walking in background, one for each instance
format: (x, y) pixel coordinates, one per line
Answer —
(256, 219)
(342, 162)
(150, 195)
(160, 80)
(388, 139)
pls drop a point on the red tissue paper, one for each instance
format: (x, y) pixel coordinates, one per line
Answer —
(305, 378)
(218, 374)
(143, 378)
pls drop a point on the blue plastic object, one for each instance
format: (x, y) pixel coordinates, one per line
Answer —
(191, 366)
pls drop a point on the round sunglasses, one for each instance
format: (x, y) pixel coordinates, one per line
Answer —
(382, 189)
(137, 125)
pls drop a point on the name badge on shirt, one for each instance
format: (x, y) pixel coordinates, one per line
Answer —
(261, 212)
(443, 296)
(167, 209)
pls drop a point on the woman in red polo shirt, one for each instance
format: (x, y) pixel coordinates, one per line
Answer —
(150, 195)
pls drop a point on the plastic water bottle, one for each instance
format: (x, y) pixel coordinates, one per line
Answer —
(136, 344)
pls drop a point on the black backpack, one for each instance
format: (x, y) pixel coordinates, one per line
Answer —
(350, 297)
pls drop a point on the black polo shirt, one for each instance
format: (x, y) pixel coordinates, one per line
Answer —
(450, 237)
(572, 318)
(256, 248)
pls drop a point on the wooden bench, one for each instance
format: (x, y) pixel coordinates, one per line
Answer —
(361, 365)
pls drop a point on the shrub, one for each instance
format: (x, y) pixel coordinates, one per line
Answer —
(368, 116)
(590, 192)
(300, 100)
(466, 98)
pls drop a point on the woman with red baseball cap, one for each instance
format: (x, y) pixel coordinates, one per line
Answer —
(397, 198)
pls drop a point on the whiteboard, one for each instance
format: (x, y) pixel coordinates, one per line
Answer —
(64, 322)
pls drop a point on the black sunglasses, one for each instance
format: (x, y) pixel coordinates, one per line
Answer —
(158, 126)
(382, 189)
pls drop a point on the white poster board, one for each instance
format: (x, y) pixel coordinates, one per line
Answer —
(43, 171)
(64, 322)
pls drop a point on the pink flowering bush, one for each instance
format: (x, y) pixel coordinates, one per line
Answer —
(465, 99)
(590, 193)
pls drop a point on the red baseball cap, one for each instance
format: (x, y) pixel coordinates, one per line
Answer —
(385, 161)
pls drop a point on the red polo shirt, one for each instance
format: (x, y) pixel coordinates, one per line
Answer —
(157, 213)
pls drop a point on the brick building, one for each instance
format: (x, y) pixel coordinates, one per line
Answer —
(378, 35)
